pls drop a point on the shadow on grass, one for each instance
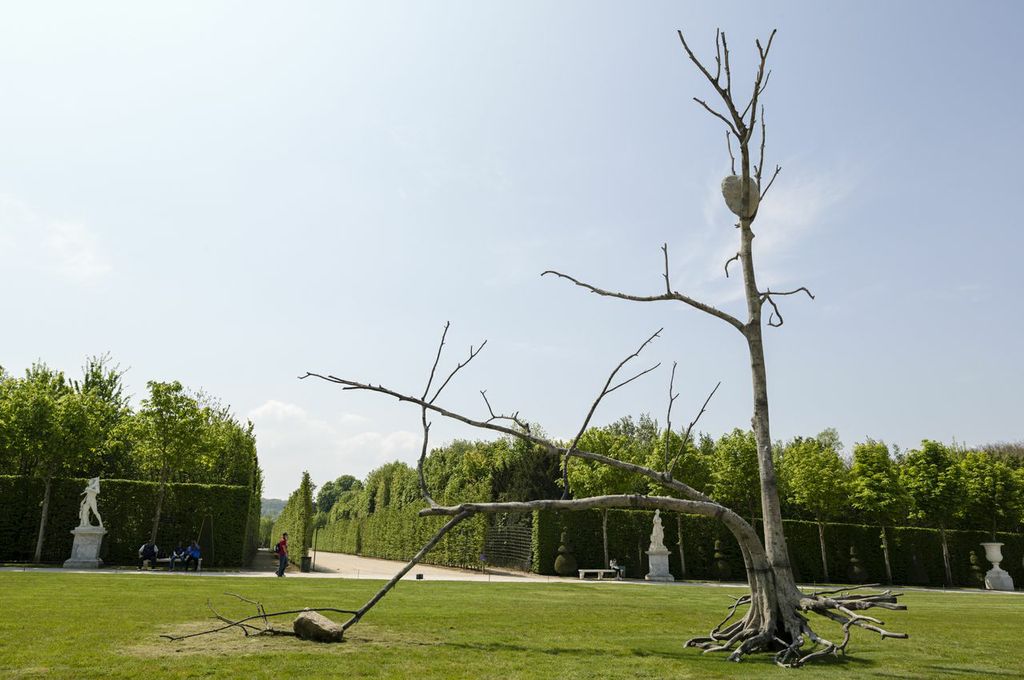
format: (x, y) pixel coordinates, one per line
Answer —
(973, 670)
(684, 655)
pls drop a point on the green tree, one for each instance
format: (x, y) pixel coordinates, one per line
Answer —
(102, 381)
(332, 490)
(876, 491)
(735, 481)
(624, 440)
(170, 425)
(932, 480)
(991, 490)
(51, 429)
(816, 481)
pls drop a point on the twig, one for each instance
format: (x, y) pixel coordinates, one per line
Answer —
(689, 428)
(668, 416)
(732, 259)
(513, 418)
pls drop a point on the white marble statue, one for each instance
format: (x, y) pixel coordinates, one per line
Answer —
(657, 555)
(92, 490)
(657, 533)
(85, 551)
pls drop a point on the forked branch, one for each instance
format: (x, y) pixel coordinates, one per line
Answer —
(605, 391)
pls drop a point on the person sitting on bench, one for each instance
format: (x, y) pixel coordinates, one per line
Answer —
(178, 556)
(193, 555)
(148, 553)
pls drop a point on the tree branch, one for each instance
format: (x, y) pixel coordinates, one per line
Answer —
(668, 416)
(725, 93)
(668, 295)
(605, 391)
(689, 428)
(775, 318)
(550, 447)
(512, 418)
(732, 259)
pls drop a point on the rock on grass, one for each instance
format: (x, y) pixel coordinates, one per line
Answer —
(317, 627)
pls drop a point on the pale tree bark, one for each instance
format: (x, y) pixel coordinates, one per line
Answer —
(885, 554)
(43, 519)
(824, 553)
(945, 556)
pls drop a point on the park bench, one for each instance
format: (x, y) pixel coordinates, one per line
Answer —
(167, 560)
(600, 573)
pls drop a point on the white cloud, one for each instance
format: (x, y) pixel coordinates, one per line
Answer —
(291, 440)
(67, 248)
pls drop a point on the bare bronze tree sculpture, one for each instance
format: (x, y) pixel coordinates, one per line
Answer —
(777, 612)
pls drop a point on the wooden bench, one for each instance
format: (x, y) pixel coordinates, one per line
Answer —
(600, 573)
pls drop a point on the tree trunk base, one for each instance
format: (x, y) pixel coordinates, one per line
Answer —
(776, 623)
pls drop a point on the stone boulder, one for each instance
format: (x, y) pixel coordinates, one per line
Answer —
(317, 627)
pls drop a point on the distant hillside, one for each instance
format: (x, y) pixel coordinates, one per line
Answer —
(271, 507)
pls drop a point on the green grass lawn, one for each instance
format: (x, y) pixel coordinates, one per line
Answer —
(107, 625)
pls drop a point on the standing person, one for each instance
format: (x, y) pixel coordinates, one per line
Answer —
(282, 554)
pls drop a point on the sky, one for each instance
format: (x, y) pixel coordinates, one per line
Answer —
(232, 194)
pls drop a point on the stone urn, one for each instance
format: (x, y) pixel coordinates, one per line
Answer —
(996, 578)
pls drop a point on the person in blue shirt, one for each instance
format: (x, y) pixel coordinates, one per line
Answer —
(192, 556)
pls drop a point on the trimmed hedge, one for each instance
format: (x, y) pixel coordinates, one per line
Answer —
(915, 554)
(219, 516)
(296, 519)
(398, 534)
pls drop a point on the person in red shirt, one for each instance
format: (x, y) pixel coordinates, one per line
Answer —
(282, 554)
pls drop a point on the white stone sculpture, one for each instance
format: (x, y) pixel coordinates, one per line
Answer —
(996, 578)
(657, 554)
(89, 504)
(85, 552)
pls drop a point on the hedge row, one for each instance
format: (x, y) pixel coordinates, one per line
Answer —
(399, 533)
(296, 519)
(915, 554)
(219, 516)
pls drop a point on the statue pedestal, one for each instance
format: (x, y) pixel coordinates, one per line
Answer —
(85, 553)
(996, 578)
(658, 561)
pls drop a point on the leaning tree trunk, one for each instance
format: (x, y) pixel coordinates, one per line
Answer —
(38, 557)
(824, 553)
(885, 554)
(945, 556)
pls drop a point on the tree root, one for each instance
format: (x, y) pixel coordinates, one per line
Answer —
(786, 630)
(247, 628)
